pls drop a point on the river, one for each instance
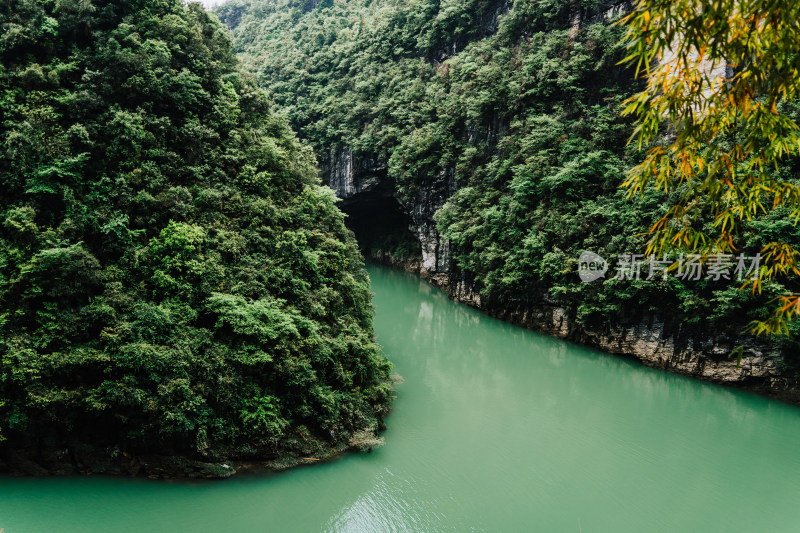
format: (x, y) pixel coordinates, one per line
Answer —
(495, 428)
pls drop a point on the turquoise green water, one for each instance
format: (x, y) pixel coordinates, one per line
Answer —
(494, 429)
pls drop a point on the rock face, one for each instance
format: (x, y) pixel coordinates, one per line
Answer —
(349, 175)
(428, 201)
(356, 179)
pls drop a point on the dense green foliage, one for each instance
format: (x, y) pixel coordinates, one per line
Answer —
(523, 111)
(173, 278)
(727, 136)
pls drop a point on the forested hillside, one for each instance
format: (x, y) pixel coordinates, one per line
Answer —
(498, 124)
(173, 278)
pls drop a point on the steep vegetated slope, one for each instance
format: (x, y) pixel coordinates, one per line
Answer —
(497, 125)
(173, 278)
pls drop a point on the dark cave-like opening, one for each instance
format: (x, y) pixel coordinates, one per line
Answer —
(381, 226)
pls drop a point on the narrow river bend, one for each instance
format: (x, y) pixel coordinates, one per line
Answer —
(495, 428)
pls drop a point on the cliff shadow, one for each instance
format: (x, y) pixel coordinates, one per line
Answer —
(381, 226)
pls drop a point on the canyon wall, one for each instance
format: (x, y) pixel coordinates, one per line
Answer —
(499, 119)
(654, 341)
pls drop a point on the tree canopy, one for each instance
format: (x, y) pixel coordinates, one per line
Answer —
(718, 117)
(173, 278)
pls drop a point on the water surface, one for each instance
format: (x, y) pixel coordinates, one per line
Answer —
(495, 428)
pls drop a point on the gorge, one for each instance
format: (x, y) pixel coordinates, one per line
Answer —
(496, 126)
(370, 262)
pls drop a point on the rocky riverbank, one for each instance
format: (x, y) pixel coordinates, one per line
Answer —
(764, 368)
